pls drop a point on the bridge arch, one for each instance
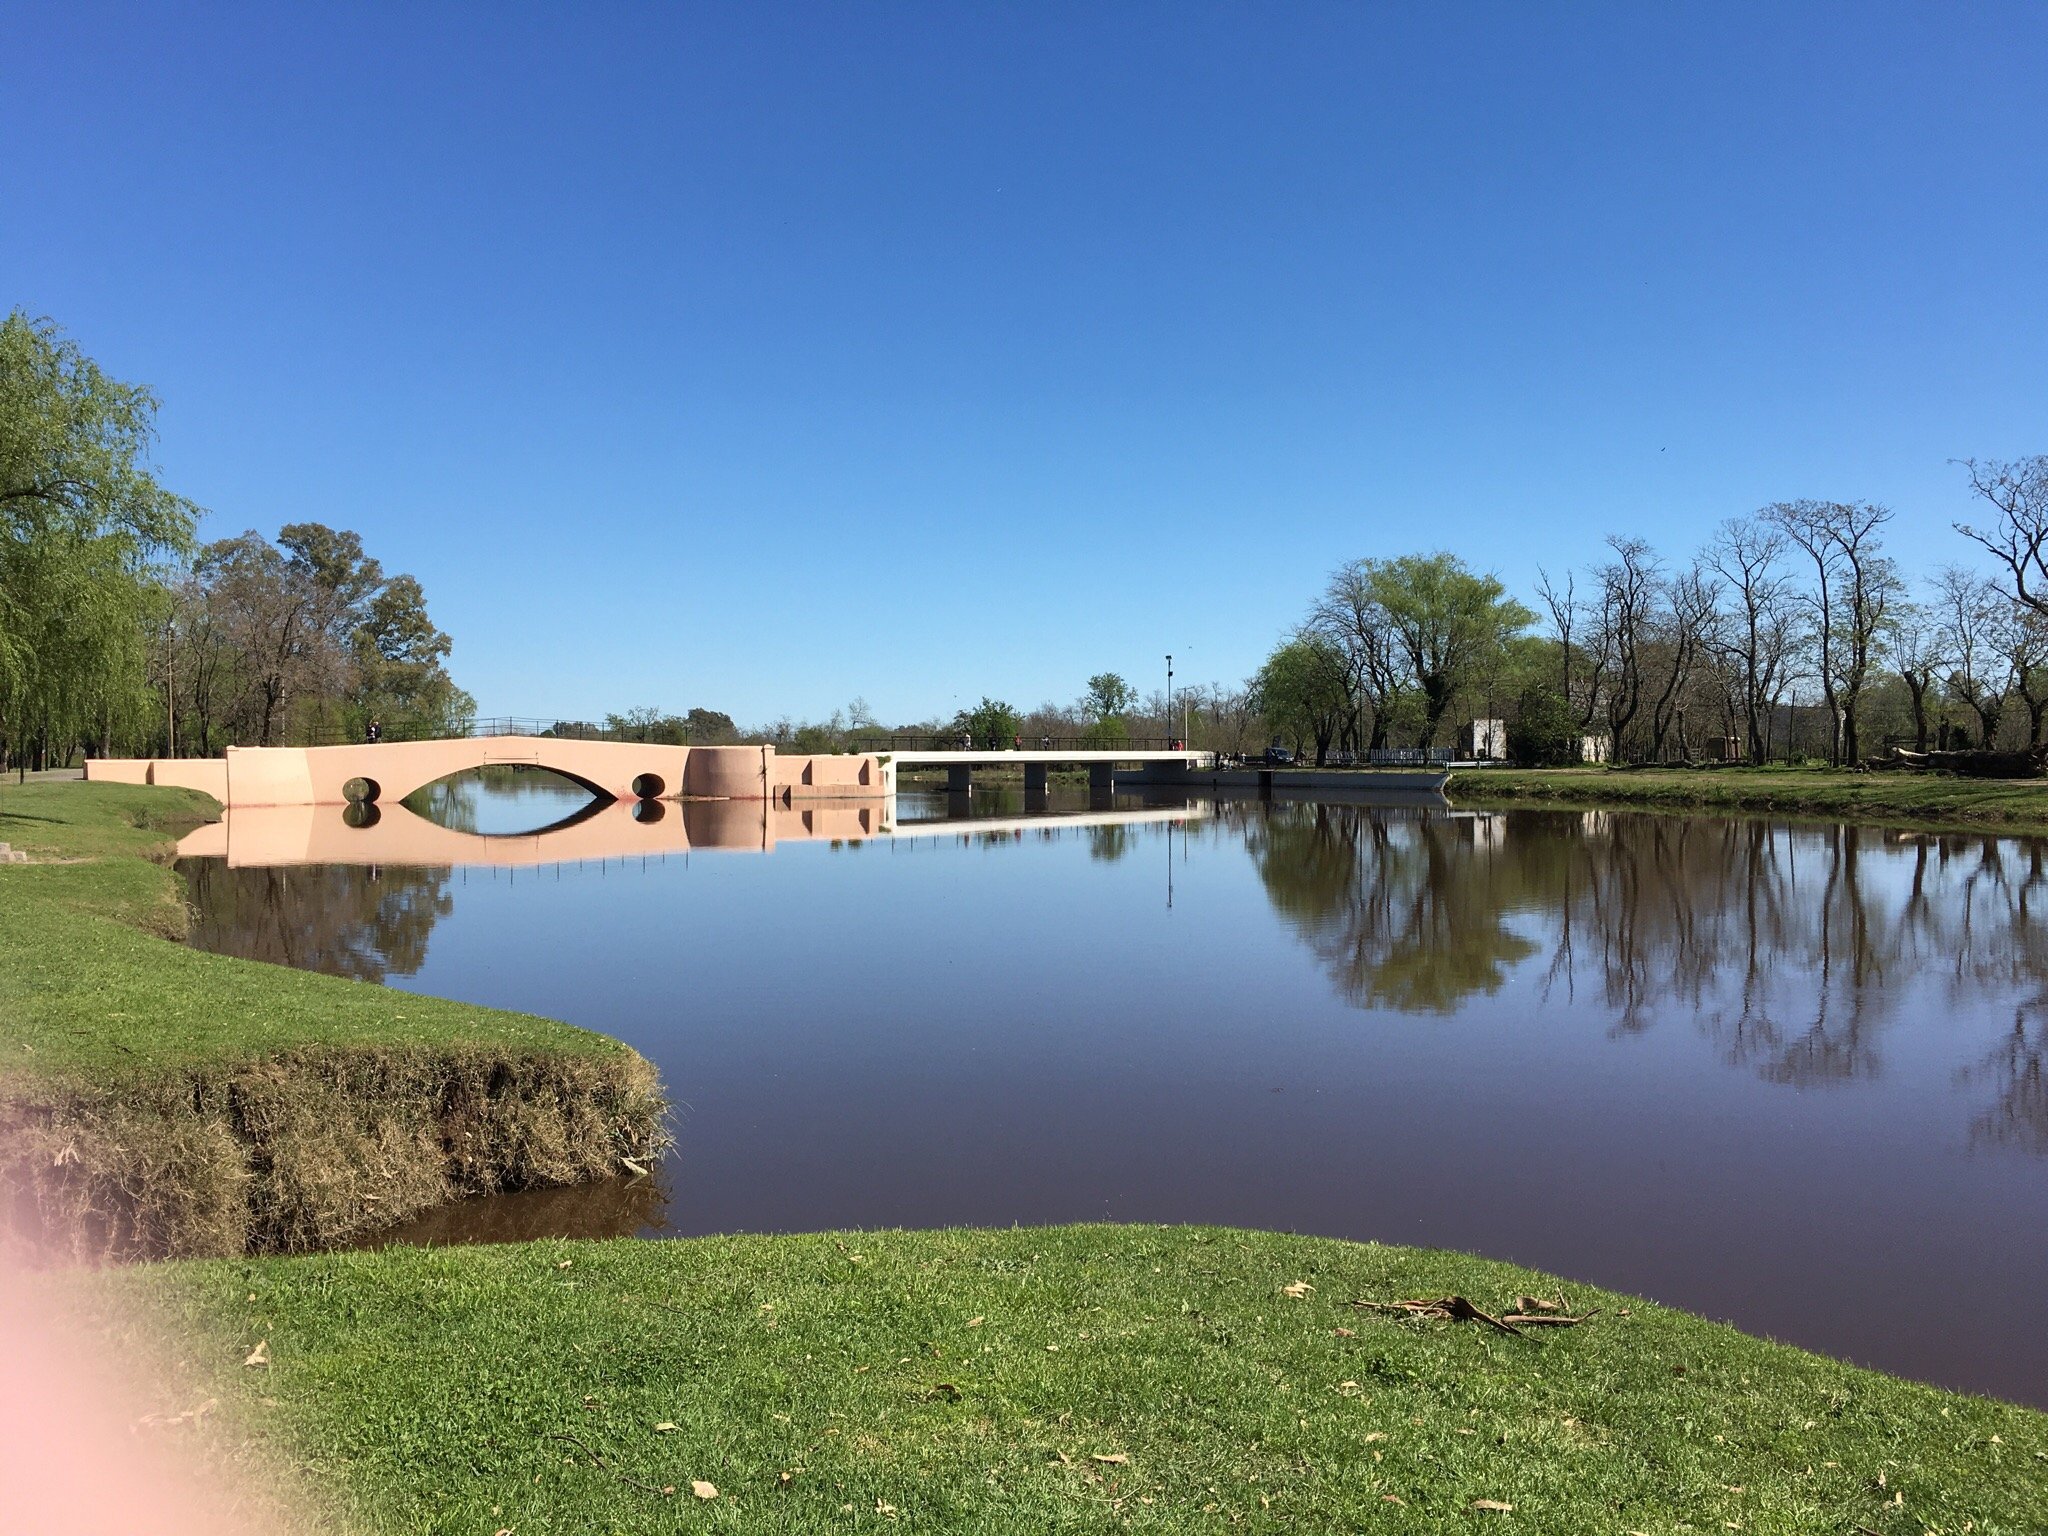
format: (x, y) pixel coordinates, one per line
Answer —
(610, 770)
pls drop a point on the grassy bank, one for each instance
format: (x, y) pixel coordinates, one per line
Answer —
(1929, 801)
(1081, 1378)
(158, 1100)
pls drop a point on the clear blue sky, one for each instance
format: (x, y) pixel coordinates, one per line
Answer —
(760, 356)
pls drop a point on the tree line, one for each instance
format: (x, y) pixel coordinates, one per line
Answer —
(121, 632)
(1791, 631)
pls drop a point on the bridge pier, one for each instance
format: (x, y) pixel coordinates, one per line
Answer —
(1101, 777)
(959, 779)
(1035, 775)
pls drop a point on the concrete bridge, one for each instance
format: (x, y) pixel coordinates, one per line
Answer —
(1037, 763)
(386, 772)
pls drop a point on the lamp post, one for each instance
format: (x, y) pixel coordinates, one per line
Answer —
(1168, 712)
(170, 690)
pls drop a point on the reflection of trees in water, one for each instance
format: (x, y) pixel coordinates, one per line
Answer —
(2018, 1072)
(455, 802)
(1406, 909)
(1110, 843)
(1791, 946)
(365, 923)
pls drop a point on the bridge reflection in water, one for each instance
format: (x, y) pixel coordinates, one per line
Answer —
(274, 836)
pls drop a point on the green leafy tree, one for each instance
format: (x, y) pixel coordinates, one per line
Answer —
(1108, 697)
(1451, 624)
(710, 727)
(1544, 732)
(83, 525)
(990, 723)
(1303, 691)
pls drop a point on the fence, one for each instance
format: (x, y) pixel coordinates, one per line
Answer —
(949, 741)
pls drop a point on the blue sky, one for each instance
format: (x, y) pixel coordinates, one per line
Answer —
(759, 357)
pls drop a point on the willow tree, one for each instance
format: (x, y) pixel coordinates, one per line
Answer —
(83, 525)
(1451, 623)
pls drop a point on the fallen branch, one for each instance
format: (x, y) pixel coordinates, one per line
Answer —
(1446, 1308)
(599, 1461)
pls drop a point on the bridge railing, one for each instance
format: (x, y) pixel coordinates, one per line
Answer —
(492, 725)
(949, 741)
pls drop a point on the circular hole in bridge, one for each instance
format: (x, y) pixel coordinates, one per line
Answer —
(650, 786)
(361, 791)
(360, 814)
(649, 811)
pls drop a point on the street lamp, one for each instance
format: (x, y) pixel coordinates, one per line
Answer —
(170, 689)
(1169, 698)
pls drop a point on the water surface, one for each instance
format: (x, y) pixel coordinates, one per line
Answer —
(1789, 1076)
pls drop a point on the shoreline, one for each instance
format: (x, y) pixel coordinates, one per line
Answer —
(1938, 803)
(157, 1101)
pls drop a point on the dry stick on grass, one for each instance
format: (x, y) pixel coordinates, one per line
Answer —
(1458, 1309)
(599, 1461)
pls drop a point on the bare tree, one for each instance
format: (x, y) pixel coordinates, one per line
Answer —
(1745, 553)
(2028, 648)
(2018, 490)
(1976, 621)
(1564, 614)
(1918, 649)
(1628, 593)
(1691, 615)
(1853, 589)
(1349, 615)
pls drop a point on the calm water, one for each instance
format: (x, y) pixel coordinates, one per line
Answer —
(1790, 1076)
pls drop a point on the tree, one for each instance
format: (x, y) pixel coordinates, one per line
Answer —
(710, 727)
(1757, 641)
(1351, 616)
(2017, 490)
(1692, 616)
(990, 723)
(1629, 585)
(1449, 621)
(398, 656)
(1301, 691)
(1108, 697)
(1564, 617)
(1853, 589)
(1544, 732)
(1917, 648)
(83, 523)
(311, 623)
(1977, 626)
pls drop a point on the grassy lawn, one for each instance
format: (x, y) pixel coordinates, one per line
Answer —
(1079, 1378)
(170, 1092)
(1923, 800)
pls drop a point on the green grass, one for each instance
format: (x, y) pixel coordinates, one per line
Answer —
(1920, 800)
(156, 1099)
(89, 992)
(1065, 1379)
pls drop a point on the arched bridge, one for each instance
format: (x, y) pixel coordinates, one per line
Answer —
(389, 771)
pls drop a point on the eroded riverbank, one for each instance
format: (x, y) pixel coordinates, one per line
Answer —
(156, 1100)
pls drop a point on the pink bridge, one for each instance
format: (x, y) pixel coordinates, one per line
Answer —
(389, 771)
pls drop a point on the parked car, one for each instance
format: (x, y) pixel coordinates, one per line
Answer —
(1278, 757)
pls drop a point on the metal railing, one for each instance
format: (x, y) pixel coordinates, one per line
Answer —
(950, 741)
(490, 725)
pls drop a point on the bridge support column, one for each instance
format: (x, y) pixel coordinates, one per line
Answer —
(959, 779)
(1035, 777)
(1102, 777)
